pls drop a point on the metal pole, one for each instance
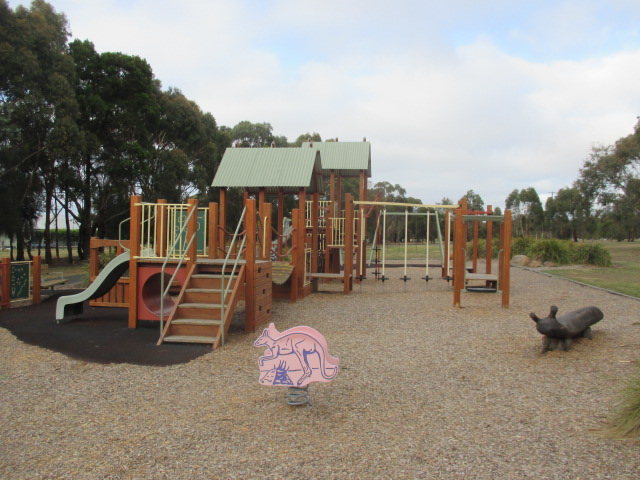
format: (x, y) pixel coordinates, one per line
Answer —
(406, 239)
(384, 239)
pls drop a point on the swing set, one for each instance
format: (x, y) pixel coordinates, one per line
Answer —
(453, 249)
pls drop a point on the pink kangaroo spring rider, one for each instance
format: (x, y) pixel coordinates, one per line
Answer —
(294, 358)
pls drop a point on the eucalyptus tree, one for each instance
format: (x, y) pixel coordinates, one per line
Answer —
(610, 177)
(526, 207)
(38, 109)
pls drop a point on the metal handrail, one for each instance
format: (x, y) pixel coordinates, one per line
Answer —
(223, 290)
(163, 291)
(120, 234)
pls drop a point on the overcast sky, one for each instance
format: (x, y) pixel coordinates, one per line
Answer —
(488, 95)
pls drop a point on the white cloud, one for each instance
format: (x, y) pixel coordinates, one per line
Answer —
(487, 96)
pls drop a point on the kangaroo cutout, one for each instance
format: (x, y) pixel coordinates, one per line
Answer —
(295, 357)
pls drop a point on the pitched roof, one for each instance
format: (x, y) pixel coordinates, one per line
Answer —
(274, 169)
(346, 159)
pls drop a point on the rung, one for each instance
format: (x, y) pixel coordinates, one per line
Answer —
(189, 339)
(195, 321)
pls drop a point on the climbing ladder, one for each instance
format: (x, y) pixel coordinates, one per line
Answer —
(206, 304)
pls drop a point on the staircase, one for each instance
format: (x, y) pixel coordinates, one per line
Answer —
(197, 316)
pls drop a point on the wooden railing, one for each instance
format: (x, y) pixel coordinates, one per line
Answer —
(118, 296)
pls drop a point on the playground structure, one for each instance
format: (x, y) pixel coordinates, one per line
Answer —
(470, 279)
(188, 272)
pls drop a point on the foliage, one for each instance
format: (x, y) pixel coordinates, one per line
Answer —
(521, 245)
(610, 178)
(106, 256)
(568, 213)
(591, 254)
(625, 422)
(482, 248)
(526, 208)
(550, 250)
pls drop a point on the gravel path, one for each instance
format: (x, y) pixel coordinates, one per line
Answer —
(426, 391)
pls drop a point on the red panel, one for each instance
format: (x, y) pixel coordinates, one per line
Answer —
(148, 289)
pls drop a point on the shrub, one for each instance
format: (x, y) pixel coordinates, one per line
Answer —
(550, 250)
(482, 248)
(626, 418)
(592, 254)
(521, 245)
(106, 256)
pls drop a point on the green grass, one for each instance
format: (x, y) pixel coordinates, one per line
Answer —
(415, 251)
(623, 276)
(61, 264)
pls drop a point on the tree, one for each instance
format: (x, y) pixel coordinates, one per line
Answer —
(610, 179)
(567, 214)
(38, 109)
(526, 209)
(247, 134)
(305, 137)
(474, 201)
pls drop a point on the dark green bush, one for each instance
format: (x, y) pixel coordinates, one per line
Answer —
(521, 245)
(550, 250)
(592, 254)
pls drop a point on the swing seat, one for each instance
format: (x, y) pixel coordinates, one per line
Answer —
(490, 282)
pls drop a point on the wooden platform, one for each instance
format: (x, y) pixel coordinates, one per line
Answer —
(281, 272)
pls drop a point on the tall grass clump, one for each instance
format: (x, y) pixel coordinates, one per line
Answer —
(550, 250)
(521, 245)
(592, 254)
(625, 422)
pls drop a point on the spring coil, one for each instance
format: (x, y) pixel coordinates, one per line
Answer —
(297, 396)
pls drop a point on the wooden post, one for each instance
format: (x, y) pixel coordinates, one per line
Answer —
(250, 264)
(6, 283)
(348, 243)
(295, 241)
(94, 258)
(222, 221)
(300, 252)
(489, 249)
(459, 252)
(315, 232)
(279, 224)
(212, 233)
(476, 230)
(332, 187)
(505, 274)
(36, 273)
(328, 238)
(361, 264)
(447, 227)
(134, 248)
(161, 228)
(192, 232)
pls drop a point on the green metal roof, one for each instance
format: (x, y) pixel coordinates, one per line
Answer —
(274, 169)
(346, 159)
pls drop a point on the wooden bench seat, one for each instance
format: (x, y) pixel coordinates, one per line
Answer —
(50, 279)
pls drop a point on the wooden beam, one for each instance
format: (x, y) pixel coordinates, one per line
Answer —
(250, 263)
(134, 249)
(348, 243)
(411, 205)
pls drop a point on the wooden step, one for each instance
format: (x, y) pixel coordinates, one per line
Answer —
(189, 339)
(203, 306)
(197, 321)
